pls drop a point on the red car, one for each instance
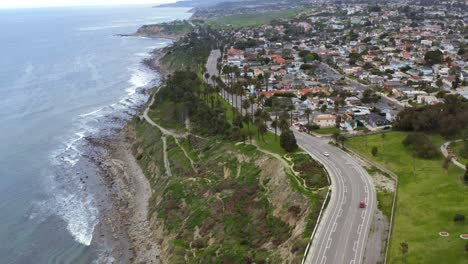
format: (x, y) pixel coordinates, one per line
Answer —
(362, 204)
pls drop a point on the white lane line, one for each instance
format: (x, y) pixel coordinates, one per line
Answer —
(352, 261)
(355, 245)
(334, 227)
(366, 189)
(363, 214)
(324, 259)
(340, 212)
(346, 189)
(359, 229)
(329, 243)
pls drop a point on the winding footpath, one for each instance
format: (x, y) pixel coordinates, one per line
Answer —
(444, 150)
(166, 133)
(342, 233)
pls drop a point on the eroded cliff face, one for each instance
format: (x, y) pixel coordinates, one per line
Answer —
(234, 204)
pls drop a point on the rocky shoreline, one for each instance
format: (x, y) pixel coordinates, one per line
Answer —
(131, 192)
(123, 234)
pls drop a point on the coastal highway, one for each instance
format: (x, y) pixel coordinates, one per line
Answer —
(341, 236)
(343, 230)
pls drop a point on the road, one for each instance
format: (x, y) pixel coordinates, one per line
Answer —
(344, 228)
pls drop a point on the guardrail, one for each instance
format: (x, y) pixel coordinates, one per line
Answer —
(395, 178)
(319, 218)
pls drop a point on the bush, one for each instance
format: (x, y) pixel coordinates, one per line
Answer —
(312, 126)
(422, 145)
(464, 150)
(458, 218)
(374, 151)
(288, 141)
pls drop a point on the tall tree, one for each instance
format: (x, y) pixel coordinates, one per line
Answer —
(275, 125)
(465, 177)
(308, 111)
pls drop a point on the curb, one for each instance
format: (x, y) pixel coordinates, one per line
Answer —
(395, 178)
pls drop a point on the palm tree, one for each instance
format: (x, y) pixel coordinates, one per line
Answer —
(245, 106)
(263, 118)
(342, 139)
(266, 75)
(308, 111)
(252, 102)
(366, 132)
(283, 121)
(336, 136)
(275, 125)
(383, 143)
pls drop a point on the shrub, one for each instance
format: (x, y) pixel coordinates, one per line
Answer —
(422, 145)
(459, 218)
(374, 151)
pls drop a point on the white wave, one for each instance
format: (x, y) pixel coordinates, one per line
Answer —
(143, 55)
(80, 215)
(140, 78)
(92, 113)
(70, 201)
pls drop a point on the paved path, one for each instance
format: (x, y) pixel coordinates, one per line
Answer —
(444, 151)
(343, 231)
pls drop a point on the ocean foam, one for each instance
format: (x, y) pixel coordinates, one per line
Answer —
(72, 203)
(140, 78)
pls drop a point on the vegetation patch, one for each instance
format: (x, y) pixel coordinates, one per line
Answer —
(250, 20)
(428, 198)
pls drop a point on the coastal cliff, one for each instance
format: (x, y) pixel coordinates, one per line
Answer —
(211, 198)
(195, 191)
(172, 30)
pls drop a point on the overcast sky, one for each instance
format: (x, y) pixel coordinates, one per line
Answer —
(48, 3)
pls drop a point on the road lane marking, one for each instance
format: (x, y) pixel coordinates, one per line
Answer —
(345, 189)
(355, 246)
(334, 227)
(324, 259)
(340, 212)
(363, 214)
(359, 229)
(329, 243)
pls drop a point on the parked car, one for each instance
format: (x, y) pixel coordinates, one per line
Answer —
(326, 154)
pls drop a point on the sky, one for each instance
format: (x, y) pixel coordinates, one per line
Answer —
(52, 3)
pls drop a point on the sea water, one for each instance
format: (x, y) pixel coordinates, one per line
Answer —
(65, 76)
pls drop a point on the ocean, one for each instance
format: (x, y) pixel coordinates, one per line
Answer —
(64, 77)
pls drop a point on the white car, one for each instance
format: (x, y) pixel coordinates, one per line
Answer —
(326, 154)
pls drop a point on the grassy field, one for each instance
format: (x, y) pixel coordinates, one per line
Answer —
(250, 20)
(326, 131)
(457, 147)
(427, 202)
